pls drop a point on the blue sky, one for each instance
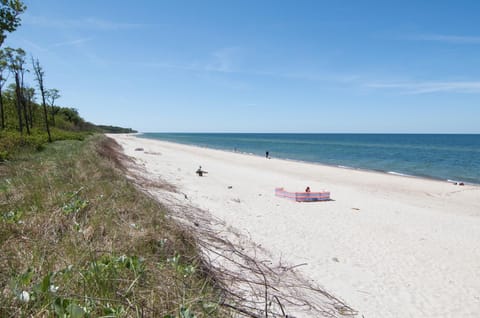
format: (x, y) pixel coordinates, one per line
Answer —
(262, 66)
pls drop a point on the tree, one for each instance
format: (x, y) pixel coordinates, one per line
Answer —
(9, 17)
(9, 22)
(71, 114)
(52, 95)
(39, 76)
(3, 79)
(21, 94)
(16, 63)
(29, 95)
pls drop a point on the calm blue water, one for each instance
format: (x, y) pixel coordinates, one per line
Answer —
(446, 157)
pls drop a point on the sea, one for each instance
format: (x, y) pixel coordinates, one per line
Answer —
(449, 157)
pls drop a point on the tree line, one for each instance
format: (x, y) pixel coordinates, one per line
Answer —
(19, 110)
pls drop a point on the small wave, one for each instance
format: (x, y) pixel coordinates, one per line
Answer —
(455, 181)
(345, 167)
(398, 174)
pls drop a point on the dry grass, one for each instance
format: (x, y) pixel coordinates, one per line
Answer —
(78, 239)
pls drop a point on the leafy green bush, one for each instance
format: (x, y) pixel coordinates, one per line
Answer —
(62, 123)
(36, 141)
(12, 141)
(4, 155)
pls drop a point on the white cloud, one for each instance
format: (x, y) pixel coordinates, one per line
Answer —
(228, 60)
(430, 87)
(34, 46)
(457, 39)
(76, 42)
(223, 61)
(219, 61)
(83, 23)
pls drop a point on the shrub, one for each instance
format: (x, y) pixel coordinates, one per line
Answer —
(12, 141)
(4, 155)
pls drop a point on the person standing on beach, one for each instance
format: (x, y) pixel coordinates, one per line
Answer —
(266, 154)
(200, 172)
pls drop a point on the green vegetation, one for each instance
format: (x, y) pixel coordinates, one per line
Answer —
(9, 17)
(25, 124)
(77, 239)
(67, 125)
(115, 129)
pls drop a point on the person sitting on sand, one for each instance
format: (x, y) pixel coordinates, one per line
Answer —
(307, 190)
(200, 172)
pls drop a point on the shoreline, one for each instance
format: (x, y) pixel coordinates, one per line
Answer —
(393, 173)
(389, 246)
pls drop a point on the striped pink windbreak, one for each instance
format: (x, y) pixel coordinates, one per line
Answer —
(302, 196)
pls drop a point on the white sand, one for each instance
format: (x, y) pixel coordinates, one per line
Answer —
(389, 246)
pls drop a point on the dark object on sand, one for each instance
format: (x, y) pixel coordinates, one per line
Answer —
(200, 172)
(138, 149)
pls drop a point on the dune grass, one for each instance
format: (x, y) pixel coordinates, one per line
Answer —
(77, 239)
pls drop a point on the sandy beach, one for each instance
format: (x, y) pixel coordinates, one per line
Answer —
(389, 246)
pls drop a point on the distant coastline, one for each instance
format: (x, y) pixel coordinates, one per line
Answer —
(116, 129)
